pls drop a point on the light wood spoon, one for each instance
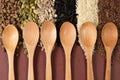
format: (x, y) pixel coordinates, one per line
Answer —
(10, 38)
(30, 36)
(109, 37)
(48, 38)
(87, 37)
(67, 37)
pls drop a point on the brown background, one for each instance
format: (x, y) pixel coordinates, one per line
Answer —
(58, 64)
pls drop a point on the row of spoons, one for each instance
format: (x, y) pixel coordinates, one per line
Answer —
(87, 37)
(48, 34)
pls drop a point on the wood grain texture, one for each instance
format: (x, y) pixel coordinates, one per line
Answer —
(30, 36)
(109, 41)
(10, 39)
(48, 38)
(67, 37)
(87, 37)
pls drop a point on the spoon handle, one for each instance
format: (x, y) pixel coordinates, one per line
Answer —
(90, 75)
(68, 64)
(11, 66)
(48, 67)
(108, 64)
(30, 67)
(108, 69)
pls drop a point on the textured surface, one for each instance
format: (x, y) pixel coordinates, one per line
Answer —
(87, 10)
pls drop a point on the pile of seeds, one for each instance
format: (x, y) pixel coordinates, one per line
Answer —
(10, 13)
(46, 11)
(66, 11)
(29, 11)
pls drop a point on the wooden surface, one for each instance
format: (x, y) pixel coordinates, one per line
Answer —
(67, 38)
(10, 39)
(31, 43)
(48, 40)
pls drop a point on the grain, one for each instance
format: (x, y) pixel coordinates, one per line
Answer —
(46, 11)
(87, 10)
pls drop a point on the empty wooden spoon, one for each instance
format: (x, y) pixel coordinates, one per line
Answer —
(67, 37)
(10, 38)
(30, 36)
(109, 37)
(87, 37)
(48, 38)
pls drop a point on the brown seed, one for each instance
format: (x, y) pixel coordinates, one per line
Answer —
(11, 15)
(1, 30)
(8, 17)
(6, 0)
(8, 11)
(7, 21)
(12, 1)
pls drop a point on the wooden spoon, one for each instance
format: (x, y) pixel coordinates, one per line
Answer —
(10, 38)
(30, 36)
(109, 38)
(87, 37)
(67, 37)
(48, 38)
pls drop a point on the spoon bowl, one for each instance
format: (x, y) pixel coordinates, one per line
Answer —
(67, 37)
(87, 37)
(10, 38)
(109, 37)
(30, 36)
